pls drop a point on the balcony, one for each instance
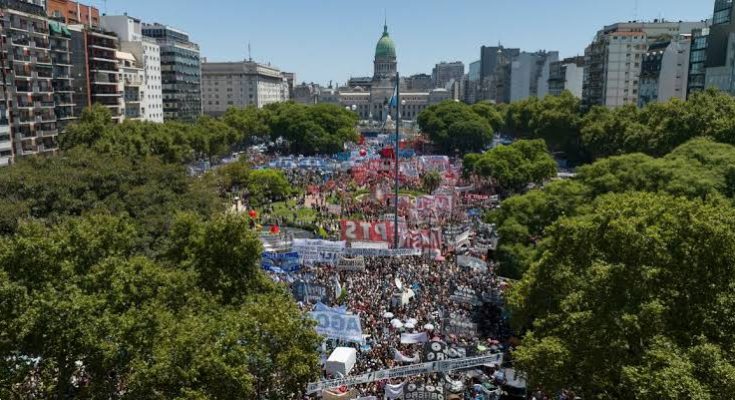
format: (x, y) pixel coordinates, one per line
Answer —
(60, 47)
(45, 118)
(23, 71)
(44, 104)
(63, 88)
(21, 40)
(47, 131)
(44, 73)
(40, 28)
(44, 89)
(23, 88)
(41, 59)
(20, 57)
(61, 59)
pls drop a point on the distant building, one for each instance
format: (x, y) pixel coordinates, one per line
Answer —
(180, 72)
(418, 82)
(445, 73)
(614, 58)
(567, 74)
(698, 61)
(147, 56)
(665, 71)
(472, 83)
(369, 98)
(529, 74)
(241, 84)
(72, 13)
(495, 73)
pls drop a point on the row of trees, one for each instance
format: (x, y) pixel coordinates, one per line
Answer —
(122, 278)
(656, 129)
(626, 276)
(299, 129)
(579, 134)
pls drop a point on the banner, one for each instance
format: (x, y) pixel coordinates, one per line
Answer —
(413, 391)
(400, 357)
(471, 262)
(383, 232)
(413, 338)
(368, 252)
(465, 295)
(281, 262)
(356, 264)
(337, 395)
(394, 391)
(460, 326)
(315, 251)
(443, 366)
(338, 326)
(309, 293)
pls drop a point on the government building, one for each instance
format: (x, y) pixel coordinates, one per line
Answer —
(369, 96)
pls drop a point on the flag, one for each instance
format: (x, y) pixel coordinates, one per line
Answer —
(393, 102)
(337, 287)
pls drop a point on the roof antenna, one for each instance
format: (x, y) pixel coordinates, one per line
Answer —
(250, 53)
(635, 11)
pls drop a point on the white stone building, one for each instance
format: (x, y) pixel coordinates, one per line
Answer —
(148, 57)
(241, 84)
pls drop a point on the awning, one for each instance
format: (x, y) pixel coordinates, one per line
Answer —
(66, 31)
(55, 27)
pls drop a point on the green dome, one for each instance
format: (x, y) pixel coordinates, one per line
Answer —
(385, 48)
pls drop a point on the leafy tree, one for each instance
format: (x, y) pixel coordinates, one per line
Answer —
(491, 113)
(612, 281)
(454, 126)
(258, 187)
(431, 181)
(513, 167)
(308, 130)
(91, 126)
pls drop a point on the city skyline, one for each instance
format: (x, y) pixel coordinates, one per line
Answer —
(311, 40)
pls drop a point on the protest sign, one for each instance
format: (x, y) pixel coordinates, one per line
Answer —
(308, 292)
(413, 391)
(460, 326)
(465, 295)
(356, 264)
(314, 251)
(383, 231)
(374, 252)
(338, 326)
(471, 262)
(413, 338)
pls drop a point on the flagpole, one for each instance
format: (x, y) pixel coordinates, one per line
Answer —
(398, 125)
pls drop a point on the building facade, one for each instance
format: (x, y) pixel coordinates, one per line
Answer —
(147, 56)
(665, 71)
(567, 74)
(28, 123)
(698, 61)
(529, 74)
(446, 73)
(614, 59)
(241, 84)
(103, 70)
(73, 13)
(180, 72)
(495, 73)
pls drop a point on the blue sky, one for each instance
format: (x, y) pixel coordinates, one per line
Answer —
(323, 40)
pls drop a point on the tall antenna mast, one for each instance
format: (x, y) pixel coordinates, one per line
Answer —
(250, 53)
(635, 11)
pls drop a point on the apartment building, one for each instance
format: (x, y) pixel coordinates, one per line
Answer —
(567, 74)
(445, 73)
(73, 13)
(665, 71)
(180, 72)
(529, 74)
(241, 84)
(103, 71)
(28, 111)
(147, 55)
(614, 58)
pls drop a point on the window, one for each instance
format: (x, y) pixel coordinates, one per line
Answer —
(721, 17)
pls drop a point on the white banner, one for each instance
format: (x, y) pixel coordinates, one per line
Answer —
(369, 252)
(356, 264)
(339, 326)
(413, 338)
(314, 251)
(408, 370)
(400, 357)
(471, 262)
(394, 391)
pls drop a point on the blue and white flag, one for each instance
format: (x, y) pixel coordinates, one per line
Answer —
(393, 102)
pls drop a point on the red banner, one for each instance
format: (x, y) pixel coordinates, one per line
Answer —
(361, 231)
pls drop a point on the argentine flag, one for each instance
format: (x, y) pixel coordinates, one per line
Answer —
(393, 102)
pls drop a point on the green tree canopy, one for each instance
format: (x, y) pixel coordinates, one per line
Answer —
(613, 281)
(457, 127)
(513, 167)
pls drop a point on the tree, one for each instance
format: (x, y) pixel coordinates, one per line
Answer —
(610, 282)
(91, 126)
(309, 130)
(513, 167)
(431, 181)
(455, 127)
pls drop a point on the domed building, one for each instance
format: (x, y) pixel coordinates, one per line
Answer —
(369, 96)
